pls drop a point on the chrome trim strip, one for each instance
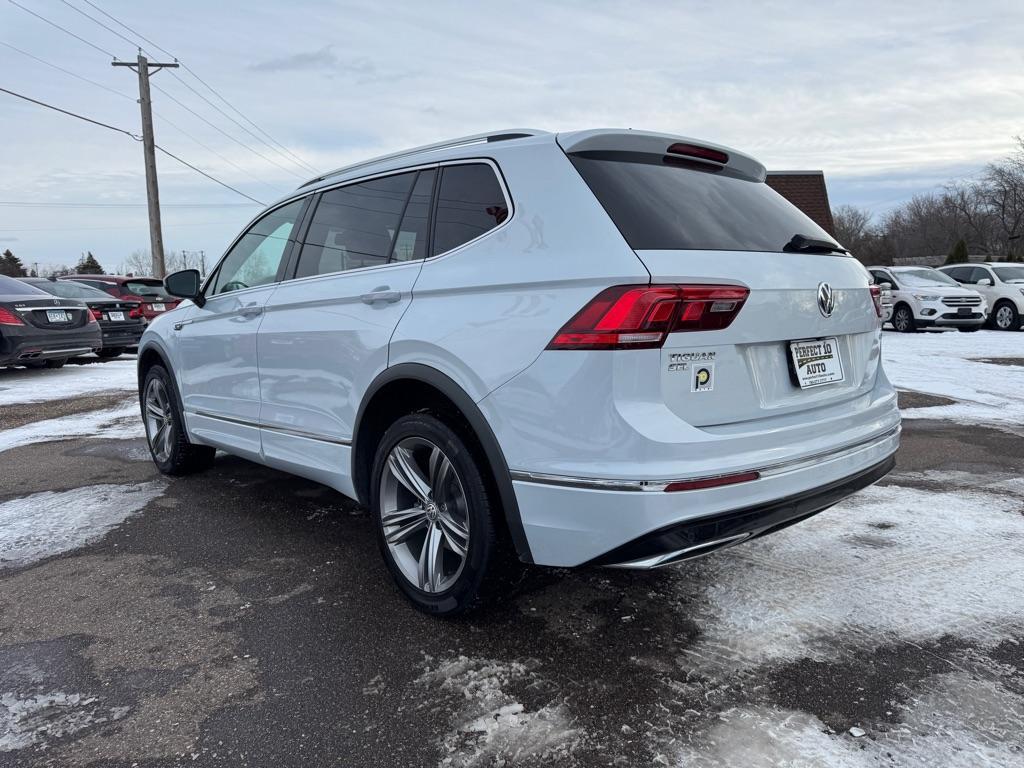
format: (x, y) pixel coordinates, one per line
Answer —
(55, 306)
(270, 427)
(602, 484)
(668, 558)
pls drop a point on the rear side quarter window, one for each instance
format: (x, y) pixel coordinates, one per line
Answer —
(470, 203)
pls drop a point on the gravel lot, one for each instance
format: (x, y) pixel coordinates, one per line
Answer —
(244, 617)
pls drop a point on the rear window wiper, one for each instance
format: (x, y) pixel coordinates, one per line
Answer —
(804, 244)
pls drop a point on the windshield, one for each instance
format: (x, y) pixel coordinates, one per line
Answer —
(11, 287)
(70, 290)
(662, 205)
(925, 278)
(145, 287)
(1010, 274)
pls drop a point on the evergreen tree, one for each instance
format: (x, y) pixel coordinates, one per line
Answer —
(11, 265)
(959, 253)
(88, 265)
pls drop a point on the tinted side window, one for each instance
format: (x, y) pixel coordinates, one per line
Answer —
(469, 203)
(880, 277)
(411, 240)
(960, 274)
(354, 226)
(977, 273)
(257, 256)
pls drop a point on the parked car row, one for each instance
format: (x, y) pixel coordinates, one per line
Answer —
(46, 321)
(964, 296)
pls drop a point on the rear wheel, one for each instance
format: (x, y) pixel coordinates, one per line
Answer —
(109, 352)
(903, 319)
(172, 451)
(1005, 317)
(437, 524)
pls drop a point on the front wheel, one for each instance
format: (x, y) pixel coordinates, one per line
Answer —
(1006, 317)
(435, 517)
(172, 451)
(903, 319)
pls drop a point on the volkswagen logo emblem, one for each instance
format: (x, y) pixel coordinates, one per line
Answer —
(826, 300)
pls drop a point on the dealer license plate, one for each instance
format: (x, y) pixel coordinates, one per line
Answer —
(159, 307)
(116, 316)
(816, 362)
(56, 315)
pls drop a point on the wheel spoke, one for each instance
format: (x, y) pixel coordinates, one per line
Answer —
(158, 436)
(403, 466)
(154, 410)
(167, 439)
(440, 469)
(430, 565)
(455, 534)
(399, 526)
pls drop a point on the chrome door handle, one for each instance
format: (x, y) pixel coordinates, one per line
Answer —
(251, 310)
(381, 294)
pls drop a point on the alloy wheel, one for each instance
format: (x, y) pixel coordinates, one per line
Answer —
(902, 320)
(159, 423)
(425, 514)
(1004, 318)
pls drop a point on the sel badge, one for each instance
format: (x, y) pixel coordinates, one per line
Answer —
(703, 378)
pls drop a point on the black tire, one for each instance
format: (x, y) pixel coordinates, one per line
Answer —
(183, 456)
(1005, 309)
(489, 560)
(903, 319)
(108, 353)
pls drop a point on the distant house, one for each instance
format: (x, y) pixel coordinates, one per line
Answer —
(806, 190)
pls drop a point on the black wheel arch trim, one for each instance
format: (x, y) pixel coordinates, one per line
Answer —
(482, 429)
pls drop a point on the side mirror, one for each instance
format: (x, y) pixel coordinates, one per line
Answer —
(185, 284)
(986, 281)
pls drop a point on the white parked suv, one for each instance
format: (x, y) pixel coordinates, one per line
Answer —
(926, 298)
(1002, 285)
(606, 347)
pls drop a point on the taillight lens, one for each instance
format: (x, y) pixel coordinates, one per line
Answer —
(7, 317)
(876, 297)
(642, 316)
(135, 312)
(95, 314)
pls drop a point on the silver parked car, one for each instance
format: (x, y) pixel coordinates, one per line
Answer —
(605, 347)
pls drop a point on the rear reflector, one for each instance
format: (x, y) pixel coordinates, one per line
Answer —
(701, 153)
(711, 482)
(9, 318)
(642, 316)
(876, 297)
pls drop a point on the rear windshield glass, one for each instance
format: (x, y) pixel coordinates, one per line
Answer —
(70, 290)
(662, 206)
(11, 287)
(145, 287)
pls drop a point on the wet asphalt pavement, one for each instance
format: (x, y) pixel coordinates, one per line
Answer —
(243, 617)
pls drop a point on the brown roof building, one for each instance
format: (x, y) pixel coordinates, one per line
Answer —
(806, 190)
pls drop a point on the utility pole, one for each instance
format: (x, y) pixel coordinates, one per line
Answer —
(156, 236)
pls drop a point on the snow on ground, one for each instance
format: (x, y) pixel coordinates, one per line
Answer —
(893, 563)
(121, 423)
(961, 720)
(946, 364)
(20, 385)
(491, 724)
(48, 523)
(26, 720)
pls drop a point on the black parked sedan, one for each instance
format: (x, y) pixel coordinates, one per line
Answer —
(120, 320)
(40, 330)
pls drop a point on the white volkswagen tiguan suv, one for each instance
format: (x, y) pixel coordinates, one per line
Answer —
(596, 348)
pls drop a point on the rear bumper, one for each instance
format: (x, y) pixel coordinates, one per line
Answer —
(569, 523)
(20, 344)
(951, 320)
(115, 335)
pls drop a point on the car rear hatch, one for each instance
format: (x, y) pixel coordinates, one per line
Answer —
(52, 314)
(793, 326)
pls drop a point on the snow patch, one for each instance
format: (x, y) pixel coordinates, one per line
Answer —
(492, 727)
(941, 364)
(121, 423)
(36, 386)
(48, 523)
(27, 720)
(890, 563)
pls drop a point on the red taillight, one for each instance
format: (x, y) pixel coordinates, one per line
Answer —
(712, 482)
(135, 312)
(95, 314)
(9, 318)
(702, 153)
(642, 316)
(876, 297)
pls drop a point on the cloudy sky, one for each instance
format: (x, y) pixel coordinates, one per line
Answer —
(889, 99)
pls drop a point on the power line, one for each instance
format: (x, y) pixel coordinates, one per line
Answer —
(62, 29)
(209, 87)
(68, 72)
(97, 21)
(37, 204)
(132, 135)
